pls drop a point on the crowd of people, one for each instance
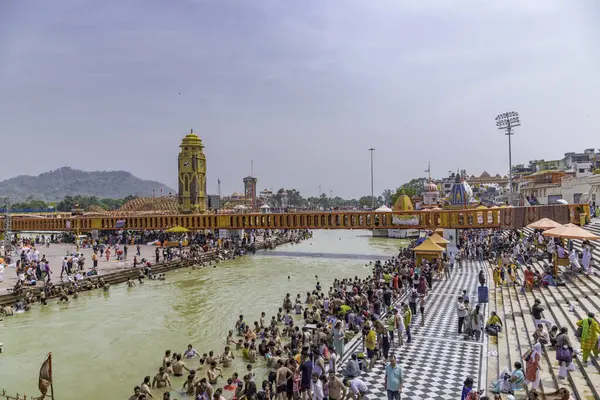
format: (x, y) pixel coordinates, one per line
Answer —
(35, 283)
(303, 346)
(512, 255)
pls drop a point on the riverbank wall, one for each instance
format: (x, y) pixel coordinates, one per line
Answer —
(121, 276)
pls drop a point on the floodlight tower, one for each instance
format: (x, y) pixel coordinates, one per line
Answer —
(506, 122)
(371, 150)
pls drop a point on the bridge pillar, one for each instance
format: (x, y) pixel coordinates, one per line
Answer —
(380, 233)
(451, 235)
(229, 233)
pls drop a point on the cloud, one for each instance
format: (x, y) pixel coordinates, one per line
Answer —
(302, 88)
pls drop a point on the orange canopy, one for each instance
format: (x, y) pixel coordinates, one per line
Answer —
(571, 231)
(545, 223)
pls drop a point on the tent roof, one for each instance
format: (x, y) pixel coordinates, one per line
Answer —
(428, 246)
(571, 231)
(437, 239)
(544, 223)
(177, 229)
(265, 206)
(383, 208)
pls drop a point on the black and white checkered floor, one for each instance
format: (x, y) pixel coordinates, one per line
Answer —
(438, 360)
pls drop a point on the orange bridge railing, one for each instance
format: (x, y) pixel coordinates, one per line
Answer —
(511, 218)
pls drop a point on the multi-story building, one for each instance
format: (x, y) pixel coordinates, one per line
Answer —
(546, 187)
(570, 178)
(568, 162)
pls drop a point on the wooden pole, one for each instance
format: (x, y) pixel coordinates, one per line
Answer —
(50, 373)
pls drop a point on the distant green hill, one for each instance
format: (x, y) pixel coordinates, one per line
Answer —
(55, 185)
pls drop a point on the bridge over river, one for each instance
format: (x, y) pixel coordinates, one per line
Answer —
(506, 218)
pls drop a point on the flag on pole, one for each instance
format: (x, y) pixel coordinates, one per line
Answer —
(45, 380)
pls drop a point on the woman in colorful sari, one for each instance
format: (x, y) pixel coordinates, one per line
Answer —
(528, 278)
(422, 290)
(494, 324)
(497, 280)
(532, 369)
(509, 382)
(338, 333)
(468, 393)
(512, 275)
(589, 336)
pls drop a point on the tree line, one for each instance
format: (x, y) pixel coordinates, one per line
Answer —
(293, 198)
(68, 203)
(282, 198)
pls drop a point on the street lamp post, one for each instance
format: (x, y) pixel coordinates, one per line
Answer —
(371, 150)
(506, 122)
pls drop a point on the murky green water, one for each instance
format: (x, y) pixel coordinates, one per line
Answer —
(104, 344)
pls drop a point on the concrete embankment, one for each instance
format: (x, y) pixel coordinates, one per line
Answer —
(121, 276)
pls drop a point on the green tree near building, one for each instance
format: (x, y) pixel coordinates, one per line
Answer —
(412, 188)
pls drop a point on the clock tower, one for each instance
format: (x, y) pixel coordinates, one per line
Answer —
(192, 175)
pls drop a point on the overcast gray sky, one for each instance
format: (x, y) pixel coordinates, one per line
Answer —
(302, 87)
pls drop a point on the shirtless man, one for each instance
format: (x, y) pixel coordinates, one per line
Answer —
(229, 340)
(145, 387)
(273, 365)
(337, 389)
(204, 389)
(212, 357)
(262, 319)
(282, 376)
(179, 367)
(188, 385)
(227, 357)
(136, 393)
(167, 358)
(161, 379)
(213, 373)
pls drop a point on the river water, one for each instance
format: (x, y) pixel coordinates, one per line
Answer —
(104, 344)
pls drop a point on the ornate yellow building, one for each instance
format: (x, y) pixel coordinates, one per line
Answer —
(192, 175)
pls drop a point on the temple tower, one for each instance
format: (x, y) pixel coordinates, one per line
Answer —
(192, 175)
(250, 191)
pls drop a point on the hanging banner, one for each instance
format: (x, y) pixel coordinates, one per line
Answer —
(398, 219)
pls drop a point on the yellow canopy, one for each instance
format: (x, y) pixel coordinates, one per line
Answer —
(437, 239)
(545, 223)
(481, 207)
(571, 231)
(428, 246)
(177, 229)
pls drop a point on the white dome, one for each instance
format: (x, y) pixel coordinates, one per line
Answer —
(431, 187)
